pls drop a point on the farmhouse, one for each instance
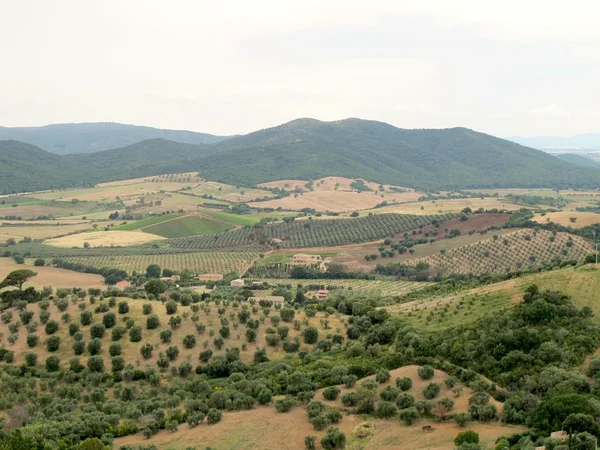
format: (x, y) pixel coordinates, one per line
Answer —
(302, 259)
(237, 283)
(210, 277)
(322, 294)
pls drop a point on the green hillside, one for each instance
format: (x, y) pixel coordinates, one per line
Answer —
(578, 160)
(76, 138)
(188, 226)
(455, 158)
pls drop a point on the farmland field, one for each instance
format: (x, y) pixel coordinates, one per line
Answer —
(188, 226)
(371, 287)
(52, 276)
(104, 239)
(44, 231)
(509, 252)
(228, 192)
(445, 206)
(583, 219)
(200, 262)
(148, 221)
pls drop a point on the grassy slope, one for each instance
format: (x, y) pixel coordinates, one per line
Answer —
(149, 221)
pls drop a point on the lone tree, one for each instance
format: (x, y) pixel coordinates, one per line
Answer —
(17, 278)
(153, 271)
(155, 287)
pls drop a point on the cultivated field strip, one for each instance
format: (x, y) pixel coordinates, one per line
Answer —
(199, 262)
(381, 287)
(519, 250)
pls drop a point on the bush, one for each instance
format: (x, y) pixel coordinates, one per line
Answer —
(147, 309)
(32, 340)
(409, 415)
(431, 390)
(39, 262)
(334, 415)
(319, 422)
(73, 328)
(213, 416)
(466, 437)
(389, 394)
(109, 320)
(31, 359)
(52, 343)
(284, 404)
(86, 317)
(165, 336)
(386, 409)
(52, 363)
(426, 372)
(331, 393)
(97, 331)
(171, 307)
(334, 439)
(311, 335)
(382, 376)
(78, 347)
(405, 401)
(123, 308)
(94, 346)
(117, 363)
(95, 364)
(117, 333)
(404, 384)
(350, 399)
(114, 350)
(461, 419)
(135, 334)
(152, 322)
(51, 327)
(146, 351)
(189, 341)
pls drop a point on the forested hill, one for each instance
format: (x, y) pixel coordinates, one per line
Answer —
(74, 138)
(578, 160)
(426, 159)
(455, 158)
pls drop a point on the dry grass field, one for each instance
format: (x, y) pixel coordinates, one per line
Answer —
(59, 228)
(583, 219)
(228, 192)
(264, 428)
(104, 239)
(52, 276)
(444, 206)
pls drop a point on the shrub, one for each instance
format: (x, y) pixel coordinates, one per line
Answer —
(95, 364)
(319, 422)
(461, 419)
(409, 415)
(382, 376)
(146, 351)
(52, 343)
(172, 353)
(334, 415)
(389, 394)
(152, 322)
(123, 308)
(350, 399)
(171, 307)
(73, 328)
(109, 320)
(97, 331)
(404, 384)
(466, 437)
(117, 333)
(147, 309)
(165, 336)
(284, 404)
(135, 334)
(331, 393)
(431, 390)
(78, 347)
(334, 439)
(32, 340)
(114, 350)
(426, 372)
(311, 335)
(86, 317)
(52, 363)
(117, 363)
(189, 341)
(213, 416)
(31, 359)
(51, 327)
(94, 346)
(386, 409)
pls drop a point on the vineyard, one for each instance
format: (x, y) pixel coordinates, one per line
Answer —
(321, 233)
(200, 262)
(148, 221)
(370, 287)
(514, 251)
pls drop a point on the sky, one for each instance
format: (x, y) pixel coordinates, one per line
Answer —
(508, 68)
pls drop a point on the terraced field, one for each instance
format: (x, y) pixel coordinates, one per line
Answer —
(513, 251)
(372, 287)
(148, 221)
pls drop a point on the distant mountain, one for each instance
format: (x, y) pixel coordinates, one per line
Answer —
(578, 160)
(74, 138)
(455, 158)
(581, 141)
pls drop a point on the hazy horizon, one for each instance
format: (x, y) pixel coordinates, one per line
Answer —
(510, 69)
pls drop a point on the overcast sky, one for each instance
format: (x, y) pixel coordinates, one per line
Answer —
(509, 67)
